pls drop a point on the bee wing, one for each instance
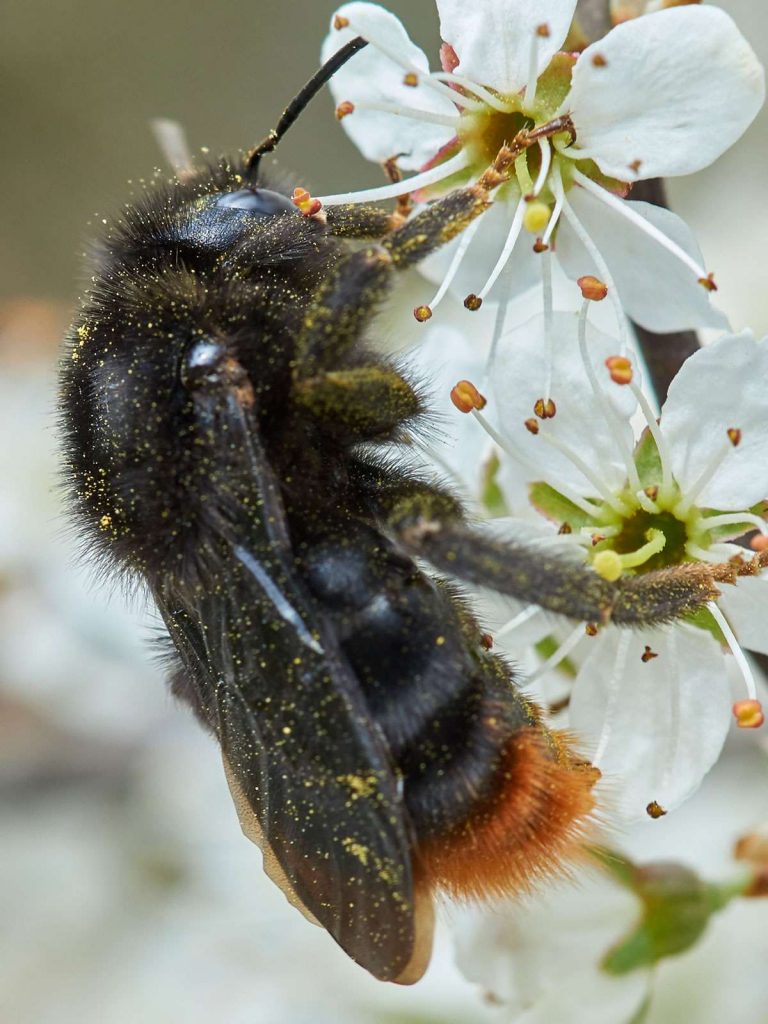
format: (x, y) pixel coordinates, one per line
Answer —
(308, 767)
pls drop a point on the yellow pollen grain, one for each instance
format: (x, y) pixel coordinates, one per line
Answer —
(105, 522)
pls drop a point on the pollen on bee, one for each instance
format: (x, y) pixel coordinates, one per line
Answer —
(620, 369)
(592, 288)
(344, 109)
(748, 714)
(466, 397)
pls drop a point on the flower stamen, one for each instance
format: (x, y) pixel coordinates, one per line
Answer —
(461, 251)
(506, 252)
(706, 475)
(748, 712)
(450, 167)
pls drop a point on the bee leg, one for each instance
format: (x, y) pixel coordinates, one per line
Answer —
(428, 524)
(356, 221)
(368, 401)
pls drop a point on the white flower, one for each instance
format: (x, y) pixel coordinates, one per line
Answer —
(542, 960)
(653, 705)
(661, 95)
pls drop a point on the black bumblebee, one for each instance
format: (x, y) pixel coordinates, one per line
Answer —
(228, 429)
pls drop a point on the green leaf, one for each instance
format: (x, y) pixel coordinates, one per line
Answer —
(677, 906)
(555, 506)
(491, 494)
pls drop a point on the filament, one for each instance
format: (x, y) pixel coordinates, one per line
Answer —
(736, 651)
(546, 162)
(461, 251)
(374, 195)
(667, 485)
(426, 116)
(572, 641)
(480, 91)
(639, 221)
(519, 620)
(704, 478)
(546, 298)
(735, 519)
(506, 252)
(609, 497)
(609, 414)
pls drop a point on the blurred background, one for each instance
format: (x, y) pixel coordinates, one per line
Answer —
(126, 890)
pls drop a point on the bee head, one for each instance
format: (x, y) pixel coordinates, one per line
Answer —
(219, 222)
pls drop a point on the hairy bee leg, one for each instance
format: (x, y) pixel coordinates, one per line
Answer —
(428, 524)
(355, 221)
(371, 400)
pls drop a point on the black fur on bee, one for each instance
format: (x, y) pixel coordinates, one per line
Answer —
(229, 428)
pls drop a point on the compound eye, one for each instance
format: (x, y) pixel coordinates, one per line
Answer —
(258, 201)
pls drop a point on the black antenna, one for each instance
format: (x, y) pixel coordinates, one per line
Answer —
(300, 101)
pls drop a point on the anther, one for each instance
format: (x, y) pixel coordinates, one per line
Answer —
(591, 629)
(344, 109)
(422, 313)
(708, 282)
(565, 528)
(599, 61)
(411, 79)
(620, 369)
(597, 538)
(545, 409)
(540, 245)
(304, 201)
(543, 31)
(651, 492)
(748, 714)
(340, 22)
(449, 59)
(648, 655)
(592, 288)
(486, 641)
(536, 216)
(532, 426)
(473, 302)
(734, 436)
(635, 166)
(759, 542)
(608, 565)
(466, 397)
(655, 810)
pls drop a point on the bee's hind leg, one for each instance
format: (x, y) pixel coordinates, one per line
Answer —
(428, 523)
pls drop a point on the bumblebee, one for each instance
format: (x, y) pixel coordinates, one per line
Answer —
(229, 427)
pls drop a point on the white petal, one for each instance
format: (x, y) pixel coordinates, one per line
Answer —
(372, 77)
(656, 289)
(518, 379)
(723, 385)
(459, 444)
(517, 950)
(492, 38)
(677, 89)
(746, 608)
(521, 272)
(655, 727)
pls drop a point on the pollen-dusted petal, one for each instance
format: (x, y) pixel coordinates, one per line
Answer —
(656, 289)
(677, 88)
(720, 387)
(492, 38)
(372, 77)
(655, 727)
(517, 382)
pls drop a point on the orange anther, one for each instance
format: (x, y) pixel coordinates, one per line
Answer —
(648, 654)
(620, 369)
(708, 282)
(543, 30)
(411, 79)
(340, 22)
(545, 410)
(655, 810)
(473, 302)
(599, 61)
(466, 397)
(592, 288)
(422, 313)
(759, 542)
(344, 109)
(304, 201)
(540, 246)
(734, 436)
(748, 714)
(591, 629)
(532, 426)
